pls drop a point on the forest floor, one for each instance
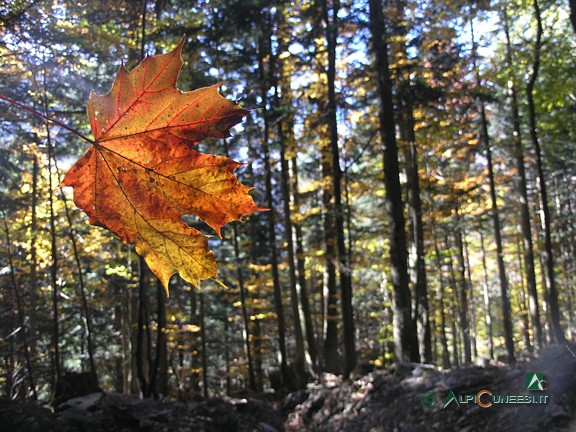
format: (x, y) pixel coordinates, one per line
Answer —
(408, 397)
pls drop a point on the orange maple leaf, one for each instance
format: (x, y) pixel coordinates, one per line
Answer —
(141, 175)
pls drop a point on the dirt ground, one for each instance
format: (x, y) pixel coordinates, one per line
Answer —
(534, 395)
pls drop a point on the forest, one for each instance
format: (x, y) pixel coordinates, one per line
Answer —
(406, 196)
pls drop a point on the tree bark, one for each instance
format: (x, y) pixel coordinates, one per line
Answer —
(290, 194)
(454, 302)
(344, 270)
(331, 360)
(521, 300)
(245, 316)
(462, 292)
(416, 255)
(56, 365)
(83, 297)
(33, 323)
(485, 137)
(441, 300)
(471, 300)
(21, 318)
(159, 379)
(557, 331)
(487, 302)
(405, 339)
(143, 348)
(204, 344)
(525, 225)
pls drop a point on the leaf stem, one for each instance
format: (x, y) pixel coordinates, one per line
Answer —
(45, 117)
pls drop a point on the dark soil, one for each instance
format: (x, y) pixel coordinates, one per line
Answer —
(390, 400)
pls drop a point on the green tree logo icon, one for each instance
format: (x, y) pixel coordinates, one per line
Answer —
(429, 399)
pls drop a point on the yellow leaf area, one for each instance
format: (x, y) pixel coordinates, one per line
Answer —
(141, 175)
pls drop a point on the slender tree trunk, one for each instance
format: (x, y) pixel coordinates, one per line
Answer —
(487, 303)
(195, 360)
(462, 291)
(54, 269)
(264, 51)
(405, 337)
(416, 256)
(135, 333)
(204, 345)
(521, 300)
(227, 355)
(557, 331)
(506, 314)
(144, 338)
(344, 270)
(525, 225)
(441, 300)
(332, 361)
(472, 299)
(274, 256)
(245, 316)
(257, 344)
(83, 297)
(33, 303)
(20, 311)
(142, 341)
(294, 240)
(159, 378)
(454, 302)
(126, 330)
(290, 194)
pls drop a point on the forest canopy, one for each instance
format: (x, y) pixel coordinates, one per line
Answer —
(416, 158)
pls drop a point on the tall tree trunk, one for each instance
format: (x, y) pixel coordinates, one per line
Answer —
(57, 367)
(557, 331)
(521, 300)
(454, 302)
(487, 302)
(83, 297)
(278, 305)
(159, 378)
(143, 348)
(405, 338)
(441, 300)
(416, 261)
(33, 302)
(196, 339)
(263, 52)
(472, 299)
(525, 224)
(344, 270)
(290, 194)
(461, 289)
(20, 312)
(485, 137)
(245, 316)
(331, 358)
(204, 344)
(294, 236)
(135, 333)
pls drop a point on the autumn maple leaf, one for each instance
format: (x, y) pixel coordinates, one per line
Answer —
(141, 174)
